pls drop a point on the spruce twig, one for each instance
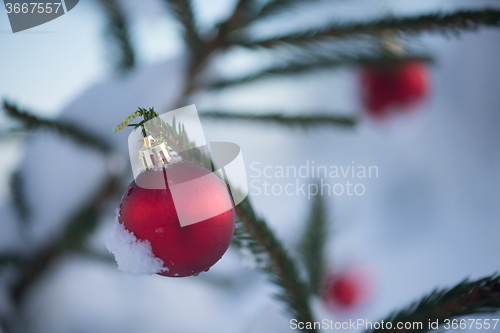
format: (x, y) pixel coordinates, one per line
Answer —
(244, 241)
(309, 65)
(463, 20)
(205, 48)
(18, 196)
(241, 16)
(11, 258)
(10, 133)
(248, 12)
(66, 129)
(76, 231)
(282, 269)
(183, 11)
(467, 297)
(78, 228)
(118, 30)
(312, 247)
(274, 7)
(304, 121)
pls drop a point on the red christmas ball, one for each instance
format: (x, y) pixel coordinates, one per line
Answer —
(344, 291)
(150, 214)
(393, 86)
(349, 288)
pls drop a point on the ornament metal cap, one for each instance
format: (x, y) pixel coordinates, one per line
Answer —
(154, 153)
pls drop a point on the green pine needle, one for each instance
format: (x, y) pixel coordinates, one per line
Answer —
(274, 7)
(442, 23)
(11, 259)
(127, 120)
(467, 297)
(78, 228)
(18, 196)
(282, 270)
(311, 64)
(304, 121)
(65, 129)
(312, 246)
(183, 11)
(76, 232)
(118, 30)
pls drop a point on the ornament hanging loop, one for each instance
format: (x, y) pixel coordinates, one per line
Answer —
(154, 153)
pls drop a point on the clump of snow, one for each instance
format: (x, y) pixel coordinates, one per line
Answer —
(132, 255)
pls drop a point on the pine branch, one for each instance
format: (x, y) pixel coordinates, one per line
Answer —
(118, 30)
(282, 271)
(31, 271)
(11, 259)
(69, 130)
(280, 119)
(312, 64)
(312, 247)
(183, 10)
(205, 48)
(77, 230)
(248, 12)
(10, 133)
(18, 196)
(467, 297)
(98, 256)
(274, 7)
(244, 241)
(463, 20)
(241, 15)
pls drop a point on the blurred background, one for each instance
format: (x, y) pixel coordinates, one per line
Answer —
(429, 219)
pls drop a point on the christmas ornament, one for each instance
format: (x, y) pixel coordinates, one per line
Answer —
(348, 288)
(393, 86)
(344, 290)
(152, 211)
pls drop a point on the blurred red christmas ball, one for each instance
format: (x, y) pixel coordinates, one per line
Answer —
(348, 288)
(150, 214)
(344, 291)
(395, 85)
